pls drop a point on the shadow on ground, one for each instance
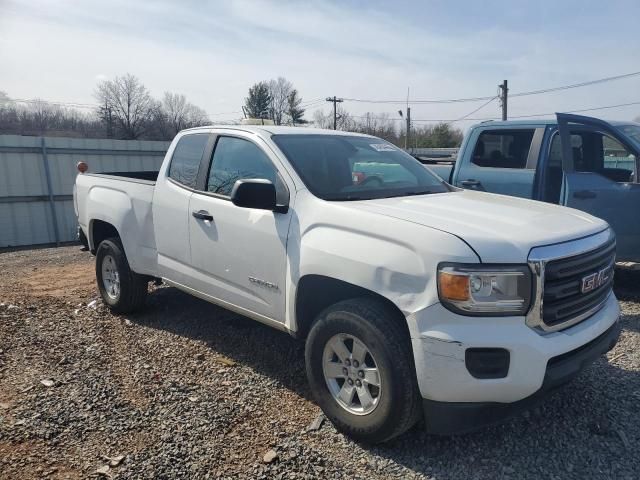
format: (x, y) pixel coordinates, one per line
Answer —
(585, 430)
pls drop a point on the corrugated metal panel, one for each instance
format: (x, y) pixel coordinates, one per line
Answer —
(25, 211)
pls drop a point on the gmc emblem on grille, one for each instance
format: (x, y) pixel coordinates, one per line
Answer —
(595, 280)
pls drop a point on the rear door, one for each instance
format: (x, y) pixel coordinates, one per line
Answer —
(502, 160)
(170, 206)
(600, 167)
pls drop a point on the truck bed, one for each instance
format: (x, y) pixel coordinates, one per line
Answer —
(147, 175)
(124, 200)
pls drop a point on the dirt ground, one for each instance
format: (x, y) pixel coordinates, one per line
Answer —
(189, 390)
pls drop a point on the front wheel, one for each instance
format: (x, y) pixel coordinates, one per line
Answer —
(361, 371)
(122, 290)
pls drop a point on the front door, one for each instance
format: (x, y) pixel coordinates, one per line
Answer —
(600, 167)
(238, 254)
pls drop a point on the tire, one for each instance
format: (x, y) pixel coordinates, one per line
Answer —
(131, 291)
(376, 327)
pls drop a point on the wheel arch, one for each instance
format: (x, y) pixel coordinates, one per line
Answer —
(100, 230)
(315, 292)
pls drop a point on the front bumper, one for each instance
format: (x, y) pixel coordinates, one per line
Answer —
(445, 383)
(447, 418)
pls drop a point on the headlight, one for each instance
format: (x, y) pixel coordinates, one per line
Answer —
(485, 290)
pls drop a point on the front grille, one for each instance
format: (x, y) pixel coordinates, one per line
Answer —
(563, 299)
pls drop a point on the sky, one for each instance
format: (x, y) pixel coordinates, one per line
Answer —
(372, 50)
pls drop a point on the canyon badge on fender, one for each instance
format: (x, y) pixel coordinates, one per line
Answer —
(263, 283)
(595, 280)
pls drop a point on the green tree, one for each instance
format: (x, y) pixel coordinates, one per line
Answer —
(258, 103)
(294, 110)
(441, 135)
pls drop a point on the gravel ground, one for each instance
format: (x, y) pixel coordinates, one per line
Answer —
(188, 390)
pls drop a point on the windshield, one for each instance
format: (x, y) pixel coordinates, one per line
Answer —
(631, 131)
(340, 167)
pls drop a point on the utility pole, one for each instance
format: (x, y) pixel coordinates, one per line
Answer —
(335, 113)
(503, 98)
(408, 132)
(406, 138)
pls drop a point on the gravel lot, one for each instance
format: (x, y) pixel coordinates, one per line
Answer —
(188, 390)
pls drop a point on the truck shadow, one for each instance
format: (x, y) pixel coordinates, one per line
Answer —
(264, 349)
(571, 434)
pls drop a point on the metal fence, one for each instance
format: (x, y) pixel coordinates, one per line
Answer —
(37, 176)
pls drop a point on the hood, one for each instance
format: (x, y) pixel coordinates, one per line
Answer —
(499, 228)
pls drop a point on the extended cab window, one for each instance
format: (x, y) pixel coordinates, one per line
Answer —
(186, 159)
(503, 148)
(236, 159)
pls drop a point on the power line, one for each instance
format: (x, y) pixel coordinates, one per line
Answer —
(520, 94)
(308, 102)
(576, 85)
(578, 111)
(224, 113)
(476, 110)
(533, 115)
(66, 104)
(465, 118)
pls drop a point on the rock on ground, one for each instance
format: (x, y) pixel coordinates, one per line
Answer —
(189, 390)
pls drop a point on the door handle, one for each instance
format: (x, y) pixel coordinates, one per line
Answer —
(471, 183)
(585, 194)
(202, 215)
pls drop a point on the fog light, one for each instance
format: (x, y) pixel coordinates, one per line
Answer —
(487, 363)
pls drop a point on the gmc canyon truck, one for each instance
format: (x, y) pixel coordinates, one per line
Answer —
(580, 162)
(415, 299)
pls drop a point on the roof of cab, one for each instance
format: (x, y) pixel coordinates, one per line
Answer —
(538, 122)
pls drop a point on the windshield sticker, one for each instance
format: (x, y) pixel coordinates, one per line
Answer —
(382, 147)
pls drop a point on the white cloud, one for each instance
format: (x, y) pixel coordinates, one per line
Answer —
(213, 53)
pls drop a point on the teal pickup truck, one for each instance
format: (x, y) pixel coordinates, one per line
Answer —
(576, 161)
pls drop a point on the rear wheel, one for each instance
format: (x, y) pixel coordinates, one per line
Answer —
(122, 290)
(361, 370)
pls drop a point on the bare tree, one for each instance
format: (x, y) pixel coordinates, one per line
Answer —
(4, 98)
(379, 125)
(44, 115)
(325, 120)
(279, 91)
(175, 113)
(128, 103)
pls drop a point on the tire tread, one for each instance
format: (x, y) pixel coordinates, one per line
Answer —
(384, 319)
(133, 291)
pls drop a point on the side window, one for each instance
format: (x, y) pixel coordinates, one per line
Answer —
(503, 148)
(186, 159)
(595, 152)
(618, 164)
(235, 159)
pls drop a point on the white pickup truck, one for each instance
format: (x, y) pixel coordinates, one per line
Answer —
(416, 299)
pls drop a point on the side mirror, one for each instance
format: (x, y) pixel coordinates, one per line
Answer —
(254, 193)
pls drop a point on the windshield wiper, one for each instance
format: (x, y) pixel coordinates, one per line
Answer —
(348, 198)
(409, 194)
